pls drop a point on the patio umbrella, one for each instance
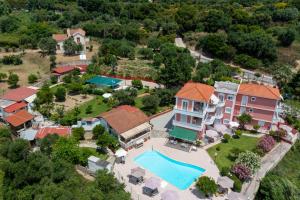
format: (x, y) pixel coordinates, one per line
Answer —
(236, 196)
(107, 95)
(152, 183)
(169, 195)
(225, 182)
(138, 169)
(211, 133)
(234, 124)
(120, 153)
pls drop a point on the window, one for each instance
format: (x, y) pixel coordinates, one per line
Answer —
(244, 100)
(250, 109)
(226, 121)
(229, 97)
(183, 118)
(221, 97)
(78, 40)
(198, 106)
(196, 121)
(261, 123)
(58, 47)
(228, 110)
(184, 105)
(253, 98)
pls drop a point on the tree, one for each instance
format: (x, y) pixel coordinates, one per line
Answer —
(249, 160)
(124, 97)
(150, 103)
(207, 185)
(97, 131)
(44, 101)
(66, 149)
(47, 46)
(146, 53)
(215, 20)
(244, 119)
(60, 94)
(47, 142)
(18, 150)
(78, 133)
(32, 78)
(277, 187)
(13, 80)
(52, 61)
(70, 47)
(286, 37)
(89, 109)
(2, 76)
(107, 140)
(137, 84)
(5, 132)
(186, 18)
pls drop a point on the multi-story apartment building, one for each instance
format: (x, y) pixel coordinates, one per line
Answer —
(199, 105)
(261, 102)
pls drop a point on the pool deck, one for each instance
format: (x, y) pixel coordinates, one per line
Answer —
(199, 158)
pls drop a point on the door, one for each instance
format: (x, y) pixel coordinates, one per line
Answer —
(244, 100)
(242, 110)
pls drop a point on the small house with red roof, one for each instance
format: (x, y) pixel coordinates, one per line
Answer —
(129, 124)
(19, 120)
(78, 35)
(63, 131)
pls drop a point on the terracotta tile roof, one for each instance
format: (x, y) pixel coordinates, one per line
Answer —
(61, 131)
(63, 69)
(15, 106)
(59, 37)
(196, 91)
(77, 30)
(257, 90)
(124, 118)
(19, 94)
(19, 118)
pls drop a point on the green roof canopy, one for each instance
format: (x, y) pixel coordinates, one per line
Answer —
(183, 134)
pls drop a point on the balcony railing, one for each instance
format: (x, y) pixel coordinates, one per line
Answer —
(187, 125)
(199, 113)
(219, 115)
(221, 104)
(211, 109)
(132, 142)
(210, 120)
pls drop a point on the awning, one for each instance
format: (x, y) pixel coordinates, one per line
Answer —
(134, 131)
(184, 134)
(30, 99)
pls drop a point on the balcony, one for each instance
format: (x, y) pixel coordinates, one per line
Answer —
(211, 109)
(221, 104)
(196, 127)
(189, 112)
(219, 115)
(279, 108)
(132, 142)
(210, 120)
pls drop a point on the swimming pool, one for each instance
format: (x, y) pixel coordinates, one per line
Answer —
(179, 174)
(104, 81)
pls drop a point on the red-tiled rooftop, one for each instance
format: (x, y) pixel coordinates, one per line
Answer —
(19, 118)
(19, 94)
(77, 30)
(59, 37)
(257, 90)
(63, 69)
(14, 107)
(61, 131)
(124, 118)
(196, 91)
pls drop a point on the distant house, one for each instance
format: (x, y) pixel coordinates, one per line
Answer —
(15, 107)
(77, 34)
(59, 130)
(129, 124)
(95, 163)
(88, 124)
(61, 71)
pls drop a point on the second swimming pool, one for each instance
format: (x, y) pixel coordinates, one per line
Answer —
(179, 174)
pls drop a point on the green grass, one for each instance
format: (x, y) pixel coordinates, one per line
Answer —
(293, 103)
(98, 107)
(92, 152)
(289, 165)
(244, 143)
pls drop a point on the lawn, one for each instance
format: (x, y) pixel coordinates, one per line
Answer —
(92, 152)
(244, 143)
(289, 165)
(98, 107)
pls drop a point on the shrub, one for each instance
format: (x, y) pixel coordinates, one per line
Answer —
(53, 79)
(237, 186)
(218, 148)
(277, 135)
(226, 138)
(266, 143)
(250, 160)
(89, 109)
(12, 60)
(256, 127)
(97, 131)
(247, 61)
(234, 153)
(60, 94)
(78, 133)
(238, 134)
(225, 171)
(241, 171)
(32, 78)
(207, 185)
(137, 84)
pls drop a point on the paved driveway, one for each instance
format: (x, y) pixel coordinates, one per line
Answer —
(162, 122)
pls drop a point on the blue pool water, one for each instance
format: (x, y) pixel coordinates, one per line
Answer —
(179, 174)
(104, 81)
